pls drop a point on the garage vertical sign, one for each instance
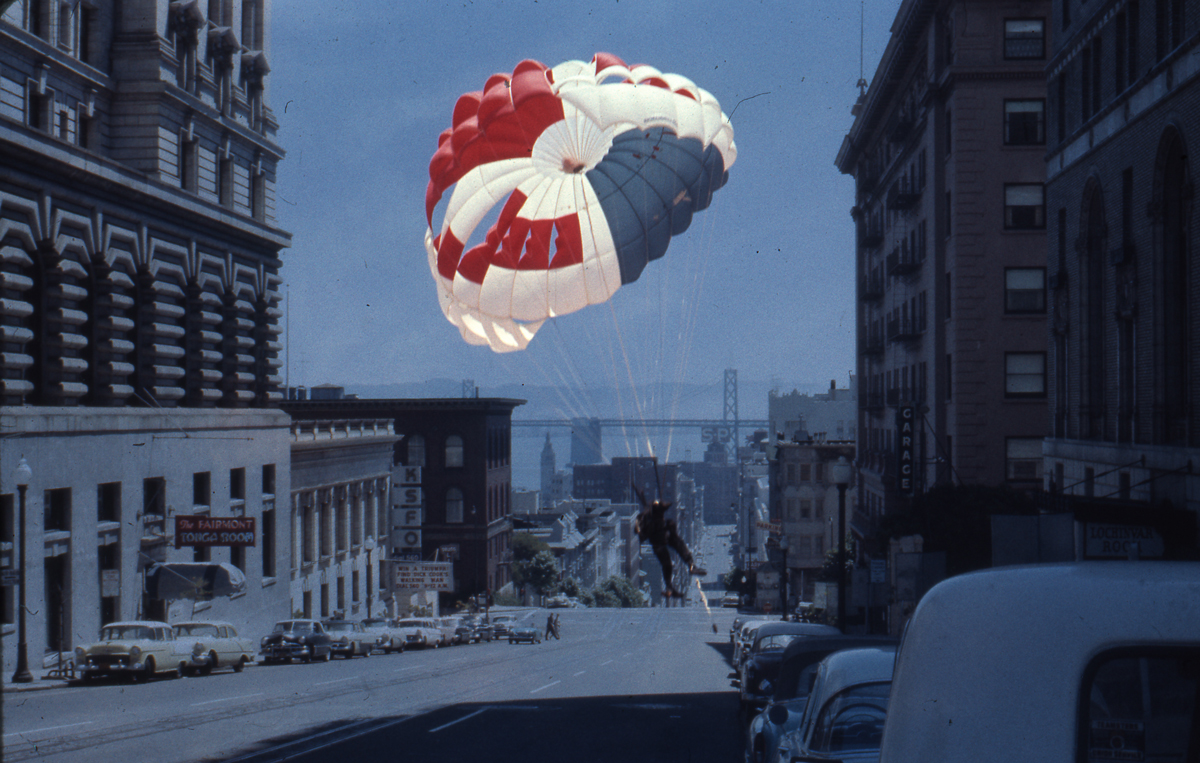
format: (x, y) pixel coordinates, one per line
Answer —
(407, 515)
(906, 416)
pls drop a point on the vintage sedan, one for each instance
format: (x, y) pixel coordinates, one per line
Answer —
(794, 681)
(136, 648)
(501, 624)
(304, 640)
(846, 710)
(214, 645)
(349, 638)
(760, 663)
(387, 638)
(419, 632)
(525, 632)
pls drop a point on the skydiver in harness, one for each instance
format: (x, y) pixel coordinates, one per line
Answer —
(653, 527)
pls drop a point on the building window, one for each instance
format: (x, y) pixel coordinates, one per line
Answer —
(225, 182)
(202, 489)
(1024, 38)
(454, 506)
(1023, 459)
(949, 207)
(1025, 374)
(454, 451)
(805, 508)
(189, 159)
(57, 509)
(1024, 206)
(108, 502)
(237, 484)
(949, 376)
(1025, 122)
(415, 447)
(268, 479)
(1024, 290)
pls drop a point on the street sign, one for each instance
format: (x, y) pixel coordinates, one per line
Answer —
(10, 576)
(879, 570)
(906, 449)
(110, 583)
(771, 527)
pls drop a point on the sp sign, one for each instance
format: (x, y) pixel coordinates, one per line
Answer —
(906, 450)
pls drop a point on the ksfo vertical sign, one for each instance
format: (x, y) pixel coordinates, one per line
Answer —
(406, 514)
(906, 436)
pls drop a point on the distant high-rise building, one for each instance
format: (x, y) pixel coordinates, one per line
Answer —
(548, 469)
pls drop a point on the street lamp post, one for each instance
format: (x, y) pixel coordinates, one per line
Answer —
(783, 576)
(841, 477)
(23, 474)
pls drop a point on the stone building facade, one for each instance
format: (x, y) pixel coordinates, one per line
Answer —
(1124, 335)
(947, 151)
(139, 305)
(341, 493)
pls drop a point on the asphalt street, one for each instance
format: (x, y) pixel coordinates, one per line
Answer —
(630, 685)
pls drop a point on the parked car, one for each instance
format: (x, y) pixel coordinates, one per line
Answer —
(449, 628)
(501, 624)
(745, 638)
(419, 632)
(525, 632)
(481, 630)
(137, 648)
(730, 600)
(305, 640)
(387, 640)
(1073, 662)
(760, 663)
(846, 710)
(792, 685)
(349, 638)
(213, 645)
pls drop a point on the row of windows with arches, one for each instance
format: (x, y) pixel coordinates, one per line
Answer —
(1125, 301)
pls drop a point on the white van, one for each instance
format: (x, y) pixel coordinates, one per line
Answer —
(1095, 661)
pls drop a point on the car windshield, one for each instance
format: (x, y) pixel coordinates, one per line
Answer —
(125, 632)
(196, 629)
(339, 627)
(292, 626)
(374, 623)
(410, 623)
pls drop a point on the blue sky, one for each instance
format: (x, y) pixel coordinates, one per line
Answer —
(761, 282)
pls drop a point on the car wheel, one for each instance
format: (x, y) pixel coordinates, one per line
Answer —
(212, 664)
(328, 656)
(353, 651)
(240, 664)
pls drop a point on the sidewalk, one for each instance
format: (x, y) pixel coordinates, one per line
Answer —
(40, 683)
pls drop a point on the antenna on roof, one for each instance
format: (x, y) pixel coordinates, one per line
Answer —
(862, 25)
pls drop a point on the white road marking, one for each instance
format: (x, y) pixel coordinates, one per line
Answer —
(579, 673)
(336, 681)
(604, 663)
(226, 699)
(48, 728)
(401, 670)
(547, 686)
(460, 720)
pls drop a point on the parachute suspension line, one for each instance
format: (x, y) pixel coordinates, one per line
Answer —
(637, 398)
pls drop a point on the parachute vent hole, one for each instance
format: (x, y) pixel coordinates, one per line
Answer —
(573, 167)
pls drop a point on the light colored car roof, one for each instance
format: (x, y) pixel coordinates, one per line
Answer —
(861, 665)
(998, 654)
(204, 622)
(143, 623)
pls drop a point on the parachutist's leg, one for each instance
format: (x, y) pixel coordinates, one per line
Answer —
(677, 543)
(664, 558)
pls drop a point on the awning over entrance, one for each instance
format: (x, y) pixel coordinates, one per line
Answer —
(194, 580)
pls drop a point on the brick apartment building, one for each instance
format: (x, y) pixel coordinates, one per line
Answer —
(947, 151)
(1124, 370)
